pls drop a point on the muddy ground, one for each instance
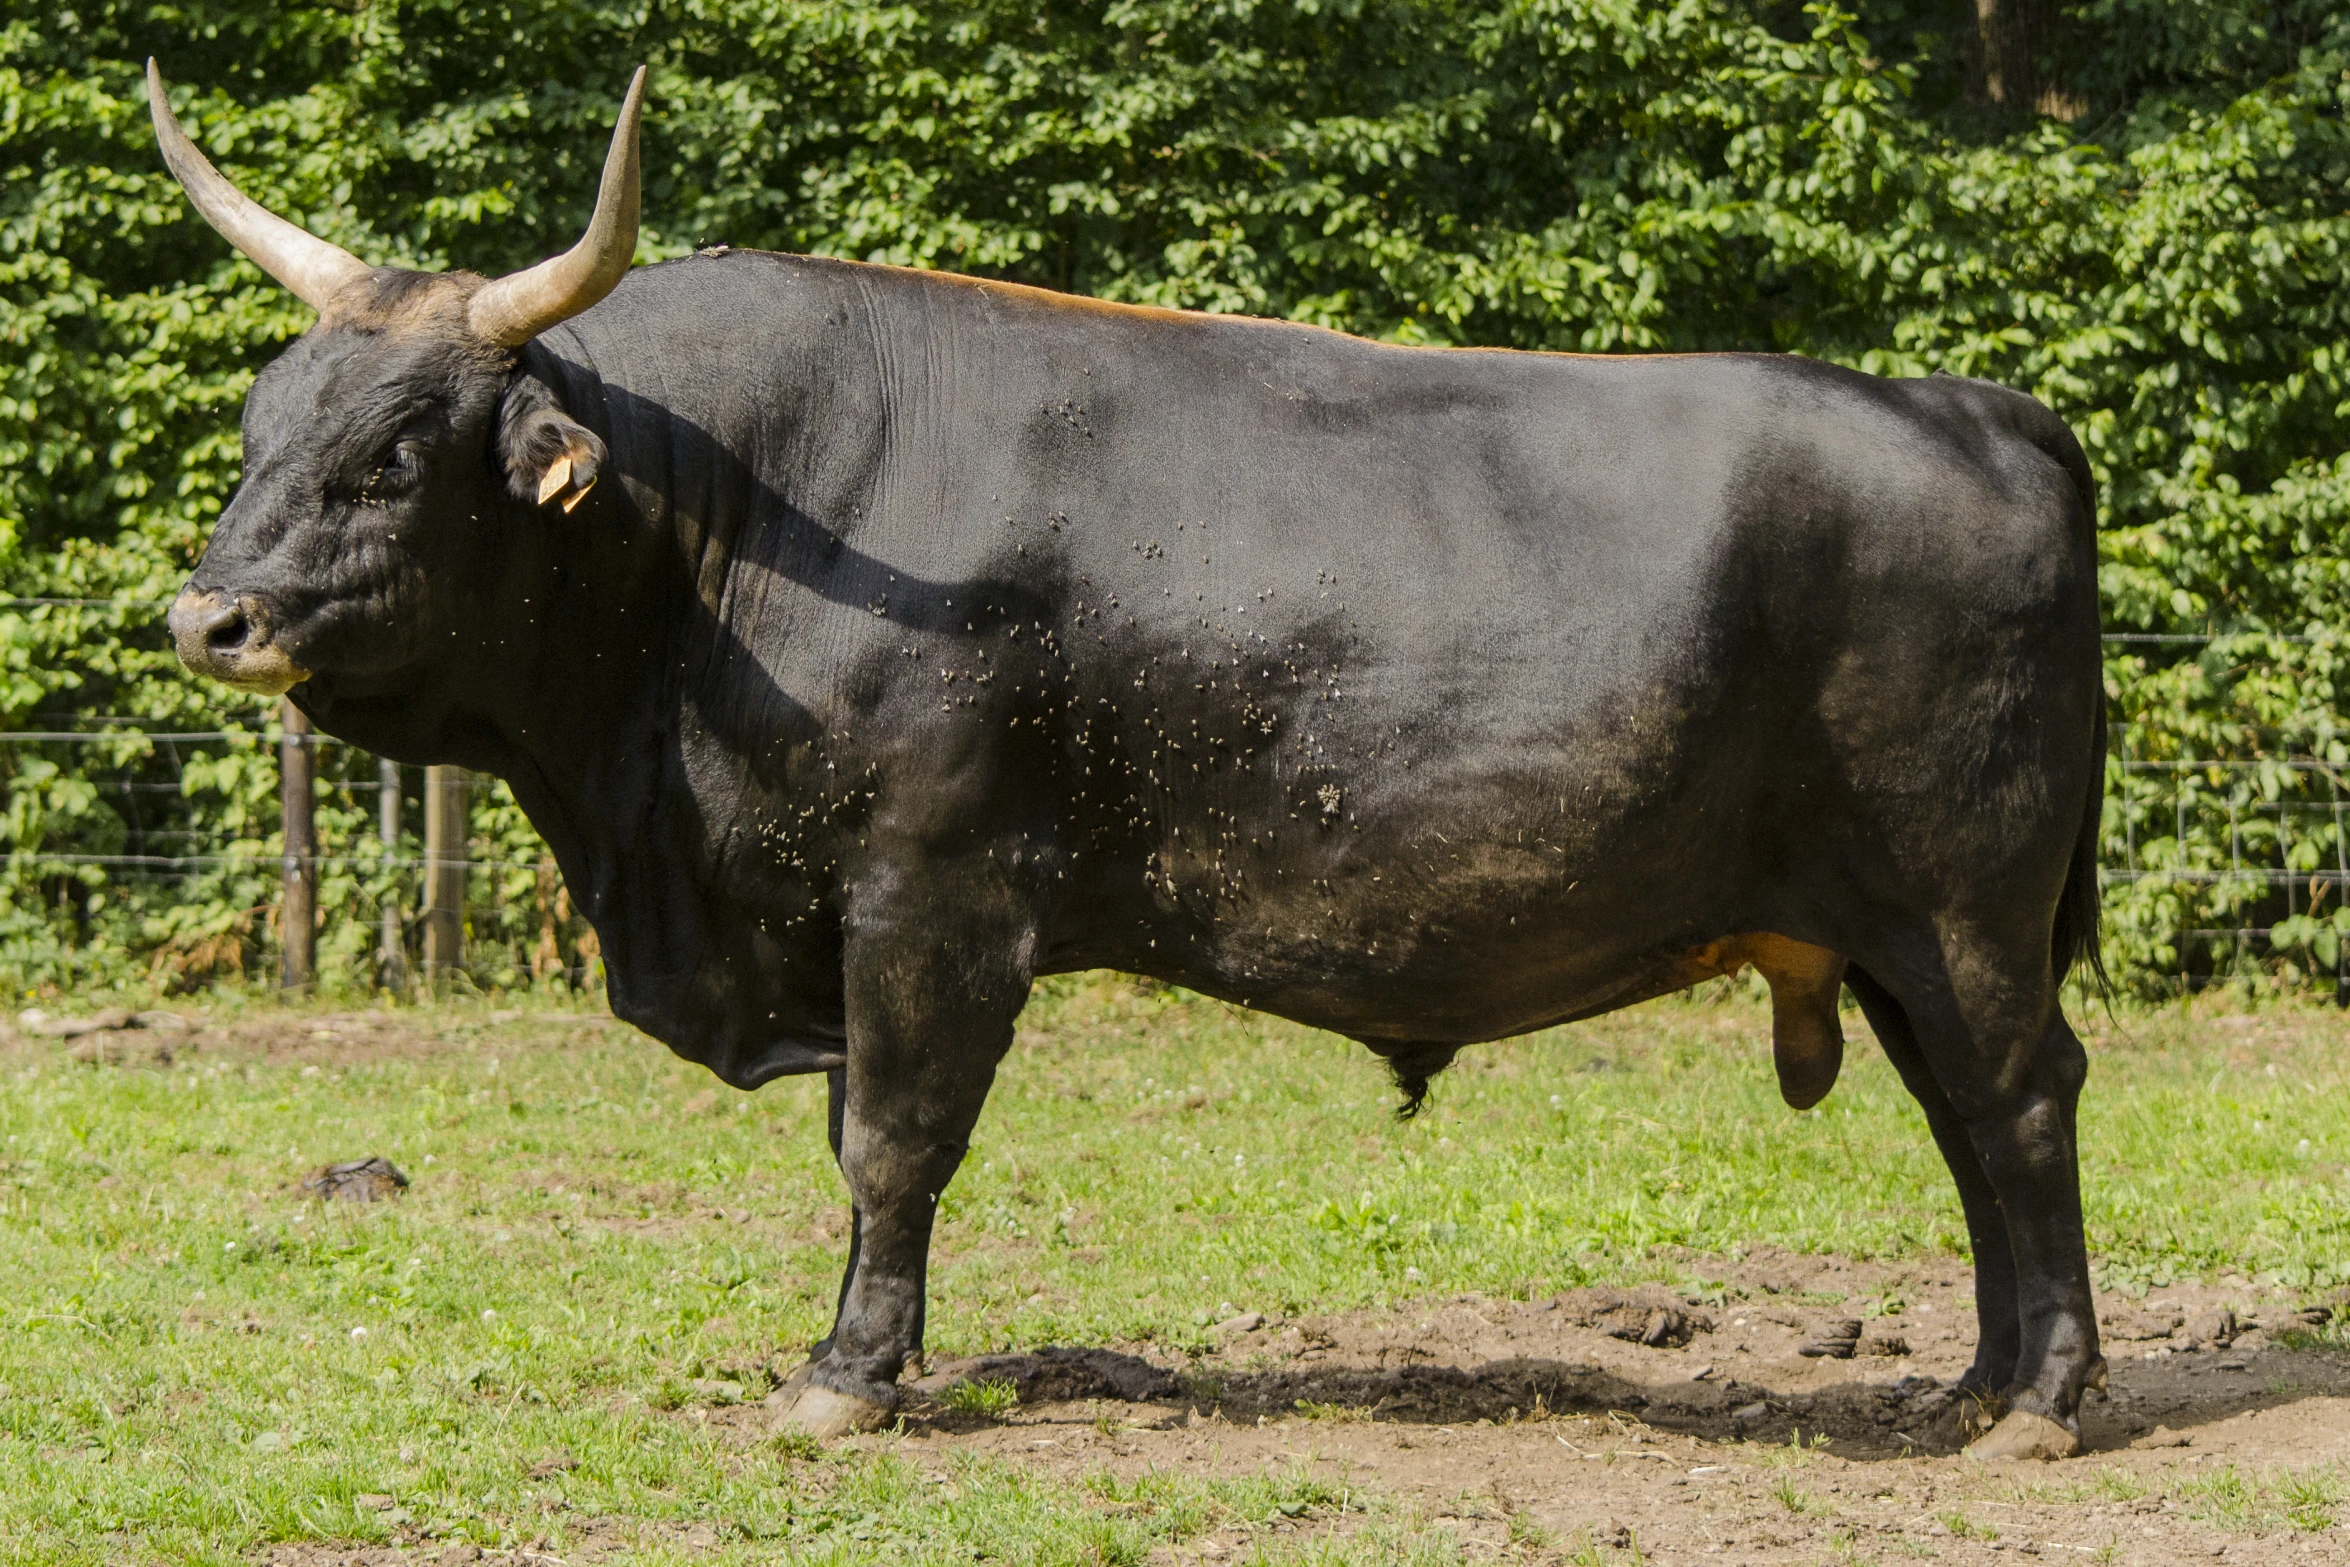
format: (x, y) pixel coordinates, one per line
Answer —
(1512, 1423)
(1601, 1426)
(1531, 1431)
(1533, 1434)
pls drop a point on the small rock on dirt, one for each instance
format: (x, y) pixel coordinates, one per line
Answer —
(552, 1464)
(1891, 1345)
(2216, 1328)
(1833, 1340)
(2163, 1436)
(1246, 1322)
(361, 1180)
(2144, 1325)
(1645, 1322)
(114, 1048)
(34, 1021)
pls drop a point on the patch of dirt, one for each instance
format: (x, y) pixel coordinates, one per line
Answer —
(1532, 1430)
(371, 1179)
(1544, 1421)
(120, 1038)
(583, 1541)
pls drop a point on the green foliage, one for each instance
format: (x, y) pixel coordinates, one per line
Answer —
(2167, 269)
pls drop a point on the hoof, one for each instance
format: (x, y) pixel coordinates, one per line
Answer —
(803, 1404)
(2022, 1434)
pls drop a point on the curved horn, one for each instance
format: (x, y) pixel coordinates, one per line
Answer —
(307, 265)
(519, 306)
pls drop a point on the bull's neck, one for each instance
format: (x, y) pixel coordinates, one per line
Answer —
(745, 434)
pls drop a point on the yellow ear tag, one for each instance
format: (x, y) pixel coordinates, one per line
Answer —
(576, 496)
(558, 475)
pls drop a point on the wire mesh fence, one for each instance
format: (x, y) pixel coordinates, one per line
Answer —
(204, 857)
(2245, 859)
(2215, 867)
(135, 841)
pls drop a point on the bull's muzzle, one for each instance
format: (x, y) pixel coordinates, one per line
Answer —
(228, 641)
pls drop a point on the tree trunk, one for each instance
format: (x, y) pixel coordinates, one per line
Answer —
(393, 954)
(444, 873)
(298, 910)
(2009, 71)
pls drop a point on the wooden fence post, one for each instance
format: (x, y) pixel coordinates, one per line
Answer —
(444, 872)
(392, 960)
(298, 911)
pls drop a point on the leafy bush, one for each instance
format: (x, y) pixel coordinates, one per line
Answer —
(2166, 267)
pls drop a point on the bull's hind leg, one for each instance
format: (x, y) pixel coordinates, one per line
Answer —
(925, 1035)
(1997, 1327)
(1999, 1073)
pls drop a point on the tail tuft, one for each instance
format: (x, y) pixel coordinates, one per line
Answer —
(2076, 938)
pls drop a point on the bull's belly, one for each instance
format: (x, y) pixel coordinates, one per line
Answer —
(1386, 948)
(1508, 988)
(1416, 961)
(1433, 978)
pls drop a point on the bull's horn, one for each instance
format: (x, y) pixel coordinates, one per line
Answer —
(313, 269)
(521, 305)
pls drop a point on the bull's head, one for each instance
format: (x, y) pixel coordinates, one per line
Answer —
(380, 444)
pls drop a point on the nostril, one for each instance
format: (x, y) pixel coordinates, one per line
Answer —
(231, 640)
(225, 629)
(208, 627)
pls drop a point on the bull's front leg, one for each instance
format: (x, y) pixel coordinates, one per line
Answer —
(930, 1014)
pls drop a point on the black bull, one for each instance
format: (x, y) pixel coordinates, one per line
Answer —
(929, 635)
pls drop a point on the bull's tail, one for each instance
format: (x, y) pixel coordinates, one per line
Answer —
(2076, 938)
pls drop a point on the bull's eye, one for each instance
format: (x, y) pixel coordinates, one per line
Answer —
(395, 475)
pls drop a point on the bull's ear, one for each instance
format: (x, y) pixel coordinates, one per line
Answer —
(549, 455)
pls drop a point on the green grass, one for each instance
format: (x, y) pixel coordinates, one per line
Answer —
(1962, 1527)
(2233, 1498)
(1792, 1497)
(986, 1396)
(1340, 1414)
(602, 1241)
